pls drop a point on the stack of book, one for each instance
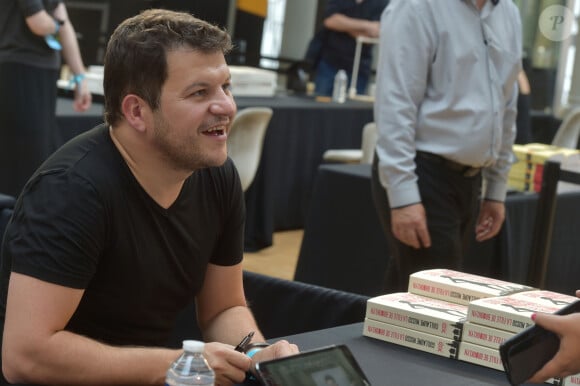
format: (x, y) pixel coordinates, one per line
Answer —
(459, 315)
(526, 173)
(416, 321)
(430, 316)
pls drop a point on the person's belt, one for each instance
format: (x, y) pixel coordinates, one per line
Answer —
(466, 171)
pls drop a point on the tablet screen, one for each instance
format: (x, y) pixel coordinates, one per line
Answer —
(327, 366)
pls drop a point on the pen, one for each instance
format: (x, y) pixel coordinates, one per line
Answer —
(242, 345)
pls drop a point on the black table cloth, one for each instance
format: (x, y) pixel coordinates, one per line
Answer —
(344, 246)
(388, 364)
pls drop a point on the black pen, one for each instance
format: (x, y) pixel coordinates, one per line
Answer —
(241, 347)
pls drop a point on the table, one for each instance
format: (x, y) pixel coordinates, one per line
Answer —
(389, 364)
(300, 130)
(344, 246)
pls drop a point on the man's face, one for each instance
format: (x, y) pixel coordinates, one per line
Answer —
(196, 110)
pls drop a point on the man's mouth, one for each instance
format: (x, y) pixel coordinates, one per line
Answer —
(215, 131)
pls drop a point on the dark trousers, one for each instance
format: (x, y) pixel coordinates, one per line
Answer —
(27, 122)
(451, 202)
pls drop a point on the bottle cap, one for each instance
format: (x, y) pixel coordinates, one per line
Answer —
(193, 345)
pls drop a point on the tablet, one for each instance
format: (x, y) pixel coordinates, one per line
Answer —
(327, 366)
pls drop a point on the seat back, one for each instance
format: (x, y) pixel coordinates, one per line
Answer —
(6, 205)
(246, 140)
(369, 142)
(364, 155)
(284, 307)
(569, 131)
(544, 221)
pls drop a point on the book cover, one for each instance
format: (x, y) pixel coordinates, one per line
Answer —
(410, 338)
(513, 312)
(459, 287)
(572, 380)
(484, 335)
(480, 355)
(420, 313)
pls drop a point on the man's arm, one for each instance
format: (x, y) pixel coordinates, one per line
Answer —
(402, 76)
(224, 316)
(354, 27)
(72, 56)
(41, 23)
(37, 349)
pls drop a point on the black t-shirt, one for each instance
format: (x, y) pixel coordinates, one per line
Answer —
(83, 221)
(338, 47)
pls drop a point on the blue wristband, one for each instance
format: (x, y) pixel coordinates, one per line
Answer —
(253, 351)
(76, 80)
(53, 42)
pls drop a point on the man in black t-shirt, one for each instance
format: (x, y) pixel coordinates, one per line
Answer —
(126, 224)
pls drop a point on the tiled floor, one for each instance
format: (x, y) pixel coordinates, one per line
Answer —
(280, 259)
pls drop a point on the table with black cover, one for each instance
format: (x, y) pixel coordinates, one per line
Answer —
(300, 130)
(344, 246)
(387, 364)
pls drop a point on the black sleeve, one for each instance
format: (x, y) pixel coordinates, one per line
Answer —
(58, 230)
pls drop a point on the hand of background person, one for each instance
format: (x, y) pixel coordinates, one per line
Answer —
(366, 28)
(409, 226)
(491, 216)
(567, 359)
(83, 97)
(373, 29)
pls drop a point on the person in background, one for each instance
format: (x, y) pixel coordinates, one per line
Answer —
(445, 110)
(33, 35)
(567, 360)
(130, 222)
(344, 21)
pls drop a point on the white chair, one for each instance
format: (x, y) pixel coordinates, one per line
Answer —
(569, 131)
(246, 139)
(363, 155)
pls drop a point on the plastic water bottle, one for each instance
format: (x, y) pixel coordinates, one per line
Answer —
(339, 88)
(191, 368)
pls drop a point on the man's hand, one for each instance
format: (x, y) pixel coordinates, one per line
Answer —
(409, 226)
(229, 366)
(491, 217)
(83, 97)
(567, 359)
(282, 348)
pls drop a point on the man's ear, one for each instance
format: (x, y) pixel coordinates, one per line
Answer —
(136, 111)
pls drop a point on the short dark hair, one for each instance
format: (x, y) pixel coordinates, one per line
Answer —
(135, 61)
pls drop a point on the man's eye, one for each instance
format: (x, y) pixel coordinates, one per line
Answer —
(199, 93)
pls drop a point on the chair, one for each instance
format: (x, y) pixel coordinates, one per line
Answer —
(6, 205)
(364, 155)
(246, 140)
(569, 131)
(284, 307)
(544, 221)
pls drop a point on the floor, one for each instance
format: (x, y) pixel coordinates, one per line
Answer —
(280, 259)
